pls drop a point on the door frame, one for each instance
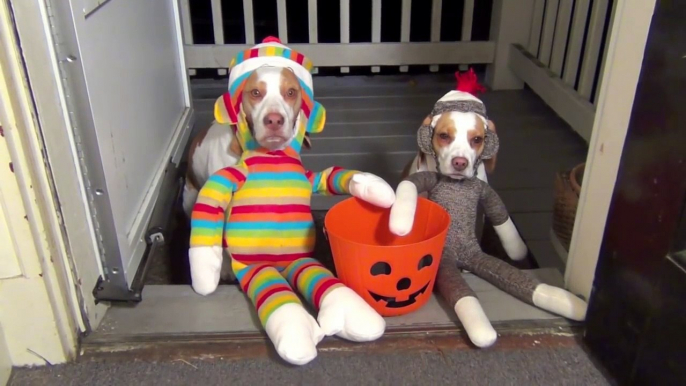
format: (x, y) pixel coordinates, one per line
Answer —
(55, 87)
(631, 21)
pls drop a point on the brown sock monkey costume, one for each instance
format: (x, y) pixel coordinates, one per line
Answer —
(460, 194)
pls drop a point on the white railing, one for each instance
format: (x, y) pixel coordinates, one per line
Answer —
(346, 54)
(554, 46)
(562, 58)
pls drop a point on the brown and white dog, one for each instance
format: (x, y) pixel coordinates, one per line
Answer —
(271, 101)
(457, 140)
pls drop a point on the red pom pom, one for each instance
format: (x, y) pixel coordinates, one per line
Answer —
(467, 82)
(271, 39)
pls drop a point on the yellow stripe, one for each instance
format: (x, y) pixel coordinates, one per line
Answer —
(215, 195)
(270, 51)
(270, 306)
(270, 242)
(306, 275)
(273, 193)
(206, 240)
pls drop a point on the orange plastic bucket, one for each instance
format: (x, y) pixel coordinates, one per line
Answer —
(395, 275)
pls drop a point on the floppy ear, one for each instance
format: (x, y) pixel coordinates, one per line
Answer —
(224, 112)
(424, 135)
(314, 113)
(491, 142)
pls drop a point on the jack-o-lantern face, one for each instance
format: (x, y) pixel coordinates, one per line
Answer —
(407, 281)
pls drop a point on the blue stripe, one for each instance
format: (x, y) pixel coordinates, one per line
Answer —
(296, 145)
(270, 225)
(307, 89)
(316, 181)
(207, 223)
(238, 80)
(268, 283)
(223, 181)
(278, 176)
(337, 181)
(316, 278)
(313, 114)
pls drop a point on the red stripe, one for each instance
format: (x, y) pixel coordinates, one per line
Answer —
(329, 181)
(263, 298)
(309, 174)
(237, 175)
(270, 257)
(271, 161)
(250, 275)
(254, 53)
(303, 267)
(299, 58)
(199, 207)
(306, 109)
(317, 298)
(270, 209)
(229, 108)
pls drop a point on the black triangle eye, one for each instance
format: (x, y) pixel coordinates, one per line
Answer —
(425, 262)
(380, 268)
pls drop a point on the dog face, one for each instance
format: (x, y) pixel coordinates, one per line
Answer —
(458, 141)
(272, 97)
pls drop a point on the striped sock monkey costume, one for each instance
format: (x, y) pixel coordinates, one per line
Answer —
(259, 210)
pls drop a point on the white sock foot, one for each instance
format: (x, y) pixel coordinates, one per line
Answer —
(344, 313)
(294, 333)
(511, 240)
(560, 301)
(475, 322)
(206, 265)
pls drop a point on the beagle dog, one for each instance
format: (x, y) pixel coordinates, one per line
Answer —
(455, 137)
(271, 101)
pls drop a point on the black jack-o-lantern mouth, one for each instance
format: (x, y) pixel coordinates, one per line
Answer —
(392, 303)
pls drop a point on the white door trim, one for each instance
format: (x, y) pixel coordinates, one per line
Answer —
(622, 68)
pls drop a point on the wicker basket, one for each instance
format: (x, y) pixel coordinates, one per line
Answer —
(567, 190)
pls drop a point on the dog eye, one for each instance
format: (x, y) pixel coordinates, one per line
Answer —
(255, 93)
(291, 92)
(477, 140)
(444, 136)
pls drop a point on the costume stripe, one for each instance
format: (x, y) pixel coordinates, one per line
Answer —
(267, 290)
(271, 209)
(271, 225)
(311, 279)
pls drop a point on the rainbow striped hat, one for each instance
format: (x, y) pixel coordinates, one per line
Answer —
(270, 52)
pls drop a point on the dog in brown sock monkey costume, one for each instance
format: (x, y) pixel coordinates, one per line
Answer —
(455, 188)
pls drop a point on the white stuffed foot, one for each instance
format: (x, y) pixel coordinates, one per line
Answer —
(372, 189)
(511, 240)
(560, 301)
(475, 322)
(402, 212)
(294, 333)
(206, 265)
(344, 313)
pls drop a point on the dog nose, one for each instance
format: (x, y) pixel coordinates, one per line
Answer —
(403, 284)
(273, 121)
(460, 163)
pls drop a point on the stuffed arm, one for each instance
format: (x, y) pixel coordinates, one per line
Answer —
(365, 186)
(502, 223)
(207, 227)
(402, 212)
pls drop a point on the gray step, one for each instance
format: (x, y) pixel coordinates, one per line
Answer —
(383, 162)
(370, 144)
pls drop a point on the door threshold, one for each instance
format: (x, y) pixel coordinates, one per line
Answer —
(528, 334)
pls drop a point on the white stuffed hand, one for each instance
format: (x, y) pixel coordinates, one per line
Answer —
(206, 265)
(511, 240)
(372, 189)
(402, 212)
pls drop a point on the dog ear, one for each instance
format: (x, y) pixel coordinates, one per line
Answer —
(425, 135)
(307, 142)
(313, 111)
(224, 112)
(491, 142)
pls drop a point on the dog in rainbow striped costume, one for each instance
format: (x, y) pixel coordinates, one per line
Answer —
(259, 209)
